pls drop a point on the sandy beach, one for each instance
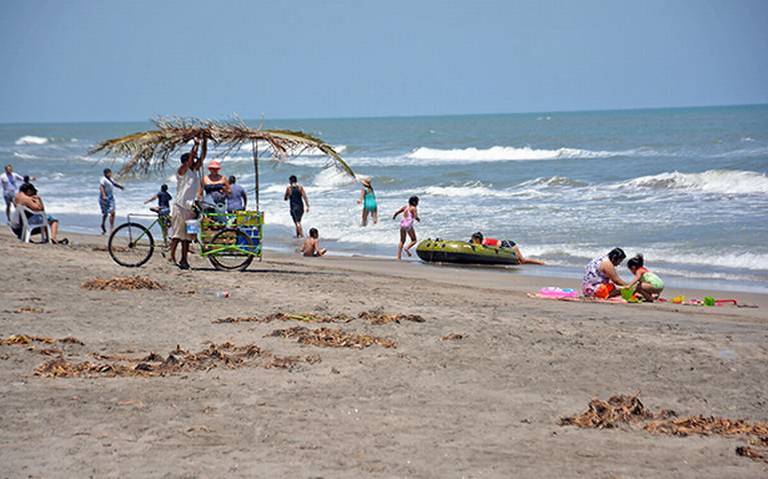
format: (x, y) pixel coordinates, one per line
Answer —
(475, 390)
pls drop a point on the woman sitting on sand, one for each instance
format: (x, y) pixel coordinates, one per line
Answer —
(215, 186)
(649, 285)
(478, 239)
(600, 276)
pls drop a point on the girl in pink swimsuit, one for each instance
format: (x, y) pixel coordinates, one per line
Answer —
(410, 214)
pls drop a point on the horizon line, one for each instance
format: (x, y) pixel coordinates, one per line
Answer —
(353, 117)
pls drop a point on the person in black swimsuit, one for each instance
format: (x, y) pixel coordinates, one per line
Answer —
(298, 198)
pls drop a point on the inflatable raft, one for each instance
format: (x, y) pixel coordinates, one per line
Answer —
(462, 252)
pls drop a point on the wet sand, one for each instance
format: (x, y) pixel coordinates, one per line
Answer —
(485, 405)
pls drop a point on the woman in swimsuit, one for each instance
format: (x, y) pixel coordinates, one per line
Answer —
(215, 186)
(649, 285)
(600, 276)
(368, 200)
(410, 214)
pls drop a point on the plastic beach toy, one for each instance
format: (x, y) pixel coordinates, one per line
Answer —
(554, 292)
(677, 300)
(709, 301)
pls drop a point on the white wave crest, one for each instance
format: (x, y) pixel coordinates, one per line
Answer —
(31, 140)
(23, 156)
(332, 178)
(711, 181)
(504, 153)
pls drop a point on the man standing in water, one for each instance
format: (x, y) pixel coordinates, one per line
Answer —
(107, 199)
(298, 197)
(187, 191)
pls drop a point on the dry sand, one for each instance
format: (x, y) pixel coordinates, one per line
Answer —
(486, 405)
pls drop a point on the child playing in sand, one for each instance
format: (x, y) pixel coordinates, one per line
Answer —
(647, 283)
(410, 214)
(311, 246)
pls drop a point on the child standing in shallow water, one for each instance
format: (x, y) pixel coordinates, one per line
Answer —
(410, 214)
(649, 285)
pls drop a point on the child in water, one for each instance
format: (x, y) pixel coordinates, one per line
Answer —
(410, 214)
(647, 283)
(368, 200)
(311, 246)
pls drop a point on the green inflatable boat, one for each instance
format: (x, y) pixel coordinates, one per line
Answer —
(462, 252)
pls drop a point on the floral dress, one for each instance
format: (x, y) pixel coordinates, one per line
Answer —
(593, 277)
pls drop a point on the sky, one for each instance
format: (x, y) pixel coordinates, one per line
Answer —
(132, 60)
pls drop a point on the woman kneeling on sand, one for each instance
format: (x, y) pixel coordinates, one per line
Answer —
(600, 276)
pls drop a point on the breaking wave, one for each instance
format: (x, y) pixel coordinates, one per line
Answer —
(505, 153)
(711, 181)
(31, 140)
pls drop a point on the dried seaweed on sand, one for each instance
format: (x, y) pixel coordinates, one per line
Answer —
(305, 317)
(629, 410)
(705, 426)
(452, 337)
(24, 339)
(752, 453)
(378, 317)
(177, 361)
(128, 283)
(29, 309)
(617, 410)
(332, 338)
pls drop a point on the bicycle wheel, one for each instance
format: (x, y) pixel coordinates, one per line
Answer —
(131, 245)
(230, 259)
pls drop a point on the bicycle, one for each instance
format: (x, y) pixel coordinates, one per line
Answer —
(131, 244)
(230, 241)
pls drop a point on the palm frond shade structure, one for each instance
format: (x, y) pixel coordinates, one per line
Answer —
(153, 149)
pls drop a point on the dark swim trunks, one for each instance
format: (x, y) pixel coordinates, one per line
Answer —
(297, 212)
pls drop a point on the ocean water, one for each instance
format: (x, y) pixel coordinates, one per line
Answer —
(686, 187)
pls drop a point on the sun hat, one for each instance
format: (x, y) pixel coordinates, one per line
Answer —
(214, 165)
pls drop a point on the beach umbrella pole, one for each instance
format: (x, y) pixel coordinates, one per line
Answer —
(256, 171)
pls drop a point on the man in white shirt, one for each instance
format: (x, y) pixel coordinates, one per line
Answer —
(187, 191)
(11, 182)
(107, 199)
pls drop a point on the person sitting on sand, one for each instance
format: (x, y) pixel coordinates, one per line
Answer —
(410, 214)
(28, 198)
(646, 282)
(479, 239)
(215, 186)
(600, 276)
(311, 246)
(298, 198)
(368, 200)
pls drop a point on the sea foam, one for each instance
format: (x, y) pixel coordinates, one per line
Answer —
(504, 153)
(710, 181)
(31, 140)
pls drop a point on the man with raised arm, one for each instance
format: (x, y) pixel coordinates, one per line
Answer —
(188, 190)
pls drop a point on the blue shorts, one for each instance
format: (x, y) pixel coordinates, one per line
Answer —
(107, 205)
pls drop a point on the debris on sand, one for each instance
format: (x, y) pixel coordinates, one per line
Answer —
(179, 360)
(332, 338)
(706, 426)
(750, 452)
(378, 317)
(452, 337)
(128, 283)
(29, 309)
(25, 340)
(618, 410)
(629, 410)
(305, 317)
